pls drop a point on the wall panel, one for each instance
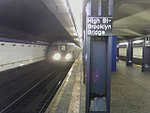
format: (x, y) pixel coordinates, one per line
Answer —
(15, 54)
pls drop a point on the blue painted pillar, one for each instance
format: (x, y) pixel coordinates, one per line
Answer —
(117, 57)
(129, 60)
(114, 53)
(146, 55)
(98, 55)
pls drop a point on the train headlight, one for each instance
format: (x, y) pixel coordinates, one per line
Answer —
(68, 56)
(57, 56)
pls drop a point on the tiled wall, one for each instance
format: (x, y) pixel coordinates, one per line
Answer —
(122, 51)
(137, 52)
(17, 54)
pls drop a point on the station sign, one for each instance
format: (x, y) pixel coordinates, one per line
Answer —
(147, 41)
(99, 26)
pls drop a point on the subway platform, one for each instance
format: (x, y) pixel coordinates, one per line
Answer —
(70, 98)
(130, 91)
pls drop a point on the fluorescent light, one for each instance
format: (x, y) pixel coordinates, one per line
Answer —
(138, 41)
(123, 43)
(76, 8)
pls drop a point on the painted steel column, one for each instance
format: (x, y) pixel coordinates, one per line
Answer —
(146, 56)
(114, 53)
(87, 59)
(117, 57)
(129, 60)
(109, 66)
(98, 57)
(83, 55)
(109, 56)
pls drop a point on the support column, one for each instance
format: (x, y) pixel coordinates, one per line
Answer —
(98, 55)
(117, 58)
(129, 60)
(146, 55)
(83, 56)
(114, 53)
(87, 61)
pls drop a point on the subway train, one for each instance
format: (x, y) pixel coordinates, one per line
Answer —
(63, 51)
(137, 51)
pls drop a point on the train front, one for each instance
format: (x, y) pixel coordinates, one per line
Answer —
(62, 52)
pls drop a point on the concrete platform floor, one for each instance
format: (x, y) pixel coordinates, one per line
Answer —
(130, 91)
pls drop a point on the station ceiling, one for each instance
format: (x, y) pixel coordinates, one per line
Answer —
(51, 20)
(42, 20)
(131, 18)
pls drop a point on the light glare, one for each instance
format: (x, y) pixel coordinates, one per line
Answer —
(57, 56)
(68, 56)
(21, 65)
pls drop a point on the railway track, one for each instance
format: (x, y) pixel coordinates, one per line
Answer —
(37, 98)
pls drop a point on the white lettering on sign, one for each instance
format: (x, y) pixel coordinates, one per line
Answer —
(99, 26)
(147, 41)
